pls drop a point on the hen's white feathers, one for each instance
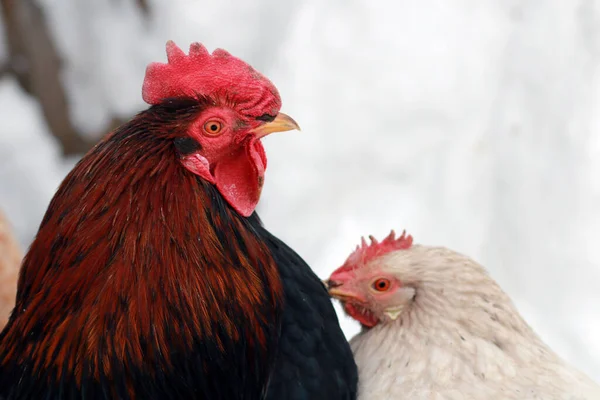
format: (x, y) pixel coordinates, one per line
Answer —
(461, 338)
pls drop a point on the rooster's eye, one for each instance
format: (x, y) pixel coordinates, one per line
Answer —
(381, 285)
(212, 127)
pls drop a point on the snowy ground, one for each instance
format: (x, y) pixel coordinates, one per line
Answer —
(472, 124)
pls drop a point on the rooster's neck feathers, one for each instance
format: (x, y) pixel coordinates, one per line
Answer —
(148, 270)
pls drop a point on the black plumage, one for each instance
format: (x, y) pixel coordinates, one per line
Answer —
(314, 360)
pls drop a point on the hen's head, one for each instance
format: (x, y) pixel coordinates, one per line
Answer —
(382, 280)
(369, 290)
(239, 107)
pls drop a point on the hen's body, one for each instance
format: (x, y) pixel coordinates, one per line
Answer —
(419, 357)
(445, 330)
(461, 337)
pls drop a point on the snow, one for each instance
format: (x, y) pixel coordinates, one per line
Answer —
(473, 125)
(30, 164)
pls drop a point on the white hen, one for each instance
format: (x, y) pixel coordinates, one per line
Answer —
(436, 326)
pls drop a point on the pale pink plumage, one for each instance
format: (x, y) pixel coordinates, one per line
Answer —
(446, 330)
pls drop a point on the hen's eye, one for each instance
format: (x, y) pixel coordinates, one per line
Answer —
(212, 127)
(381, 285)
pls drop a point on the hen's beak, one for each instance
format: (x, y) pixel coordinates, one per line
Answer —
(340, 294)
(337, 291)
(281, 123)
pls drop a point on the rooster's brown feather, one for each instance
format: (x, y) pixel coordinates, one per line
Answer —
(138, 267)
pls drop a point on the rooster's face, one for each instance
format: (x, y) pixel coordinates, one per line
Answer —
(238, 107)
(226, 150)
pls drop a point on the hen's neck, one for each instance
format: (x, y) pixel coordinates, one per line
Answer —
(441, 338)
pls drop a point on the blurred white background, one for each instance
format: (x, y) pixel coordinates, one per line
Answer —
(474, 124)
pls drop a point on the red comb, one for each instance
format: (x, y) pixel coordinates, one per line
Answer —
(202, 73)
(366, 252)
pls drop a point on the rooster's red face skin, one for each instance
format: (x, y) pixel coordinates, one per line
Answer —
(226, 135)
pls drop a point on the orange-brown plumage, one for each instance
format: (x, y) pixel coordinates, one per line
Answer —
(124, 260)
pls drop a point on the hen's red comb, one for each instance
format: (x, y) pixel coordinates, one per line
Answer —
(202, 73)
(366, 252)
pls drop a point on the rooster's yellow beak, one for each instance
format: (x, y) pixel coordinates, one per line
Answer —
(281, 123)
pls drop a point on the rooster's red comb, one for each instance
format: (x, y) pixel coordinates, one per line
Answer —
(366, 252)
(205, 74)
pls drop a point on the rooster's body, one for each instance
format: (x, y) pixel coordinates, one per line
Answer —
(436, 326)
(152, 278)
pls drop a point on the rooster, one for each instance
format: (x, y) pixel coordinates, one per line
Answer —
(151, 276)
(10, 261)
(436, 326)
